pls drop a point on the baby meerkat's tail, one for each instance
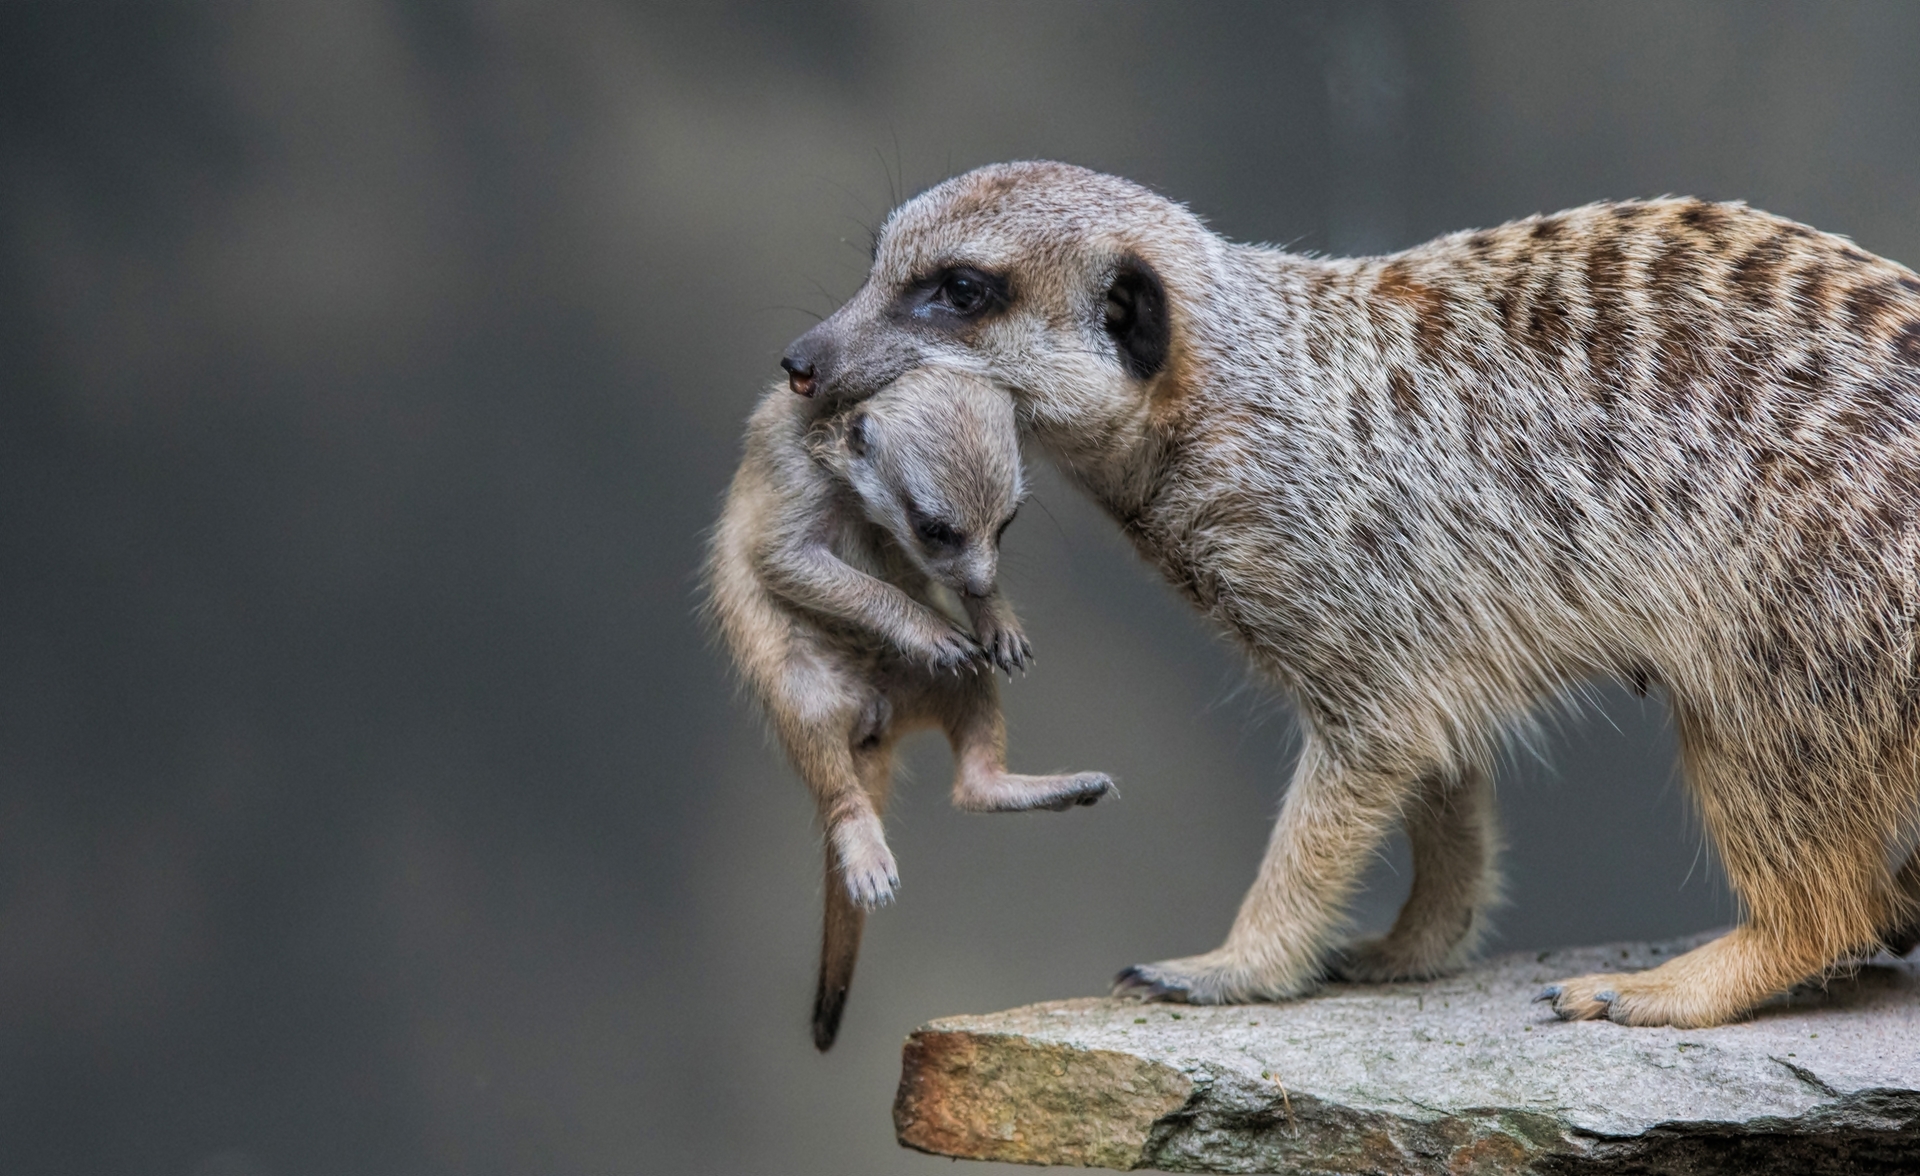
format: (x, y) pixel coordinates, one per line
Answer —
(839, 948)
(860, 874)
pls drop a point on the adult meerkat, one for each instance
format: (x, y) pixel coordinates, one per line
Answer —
(1672, 441)
(821, 578)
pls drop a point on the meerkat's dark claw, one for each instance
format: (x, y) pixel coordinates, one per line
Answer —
(1549, 993)
(1134, 984)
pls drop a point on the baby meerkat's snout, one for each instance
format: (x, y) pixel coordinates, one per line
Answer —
(978, 569)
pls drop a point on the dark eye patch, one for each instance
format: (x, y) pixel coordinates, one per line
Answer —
(954, 297)
(934, 532)
(939, 534)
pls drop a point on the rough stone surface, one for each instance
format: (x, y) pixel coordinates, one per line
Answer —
(1462, 1075)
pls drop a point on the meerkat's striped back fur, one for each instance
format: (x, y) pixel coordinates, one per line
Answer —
(1669, 441)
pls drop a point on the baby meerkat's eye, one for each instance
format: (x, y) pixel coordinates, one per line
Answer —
(857, 441)
(938, 534)
(1001, 533)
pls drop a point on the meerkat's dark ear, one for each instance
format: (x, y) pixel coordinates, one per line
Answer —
(857, 440)
(1137, 319)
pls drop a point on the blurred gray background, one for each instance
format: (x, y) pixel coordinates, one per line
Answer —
(371, 800)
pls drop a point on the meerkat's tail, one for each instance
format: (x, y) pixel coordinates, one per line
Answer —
(839, 947)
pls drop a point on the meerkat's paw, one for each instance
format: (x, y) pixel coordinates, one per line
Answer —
(1389, 958)
(1635, 998)
(945, 647)
(1080, 789)
(1214, 978)
(1018, 794)
(866, 864)
(1587, 998)
(1005, 644)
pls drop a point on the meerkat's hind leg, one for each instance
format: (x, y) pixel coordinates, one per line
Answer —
(859, 840)
(981, 782)
(1452, 829)
(1815, 888)
(820, 721)
(867, 869)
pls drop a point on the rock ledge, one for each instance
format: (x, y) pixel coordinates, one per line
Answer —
(1462, 1075)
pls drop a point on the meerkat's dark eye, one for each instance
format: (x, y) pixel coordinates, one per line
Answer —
(959, 293)
(935, 533)
(857, 440)
(1001, 533)
(964, 293)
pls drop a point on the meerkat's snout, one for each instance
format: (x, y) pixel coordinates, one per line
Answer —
(977, 570)
(807, 359)
(799, 374)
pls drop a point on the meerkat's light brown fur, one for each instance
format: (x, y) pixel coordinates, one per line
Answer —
(1669, 441)
(823, 578)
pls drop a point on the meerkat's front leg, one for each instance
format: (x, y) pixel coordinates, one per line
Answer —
(811, 575)
(1332, 818)
(1452, 829)
(981, 782)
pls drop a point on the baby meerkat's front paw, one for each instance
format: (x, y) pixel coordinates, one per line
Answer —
(945, 647)
(866, 864)
(1005, 644)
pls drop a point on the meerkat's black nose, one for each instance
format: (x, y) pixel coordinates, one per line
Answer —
(809, 362)
(799, 375)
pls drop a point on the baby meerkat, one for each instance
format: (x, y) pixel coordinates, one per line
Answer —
(1668, 441)
(823, 576)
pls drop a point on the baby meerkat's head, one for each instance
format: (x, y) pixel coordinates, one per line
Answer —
(1063, 284)
(935, 460)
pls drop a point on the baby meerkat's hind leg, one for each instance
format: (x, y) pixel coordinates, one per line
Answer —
(817, 721)
(1805, 851)
(1452, 828)
(981, 782)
